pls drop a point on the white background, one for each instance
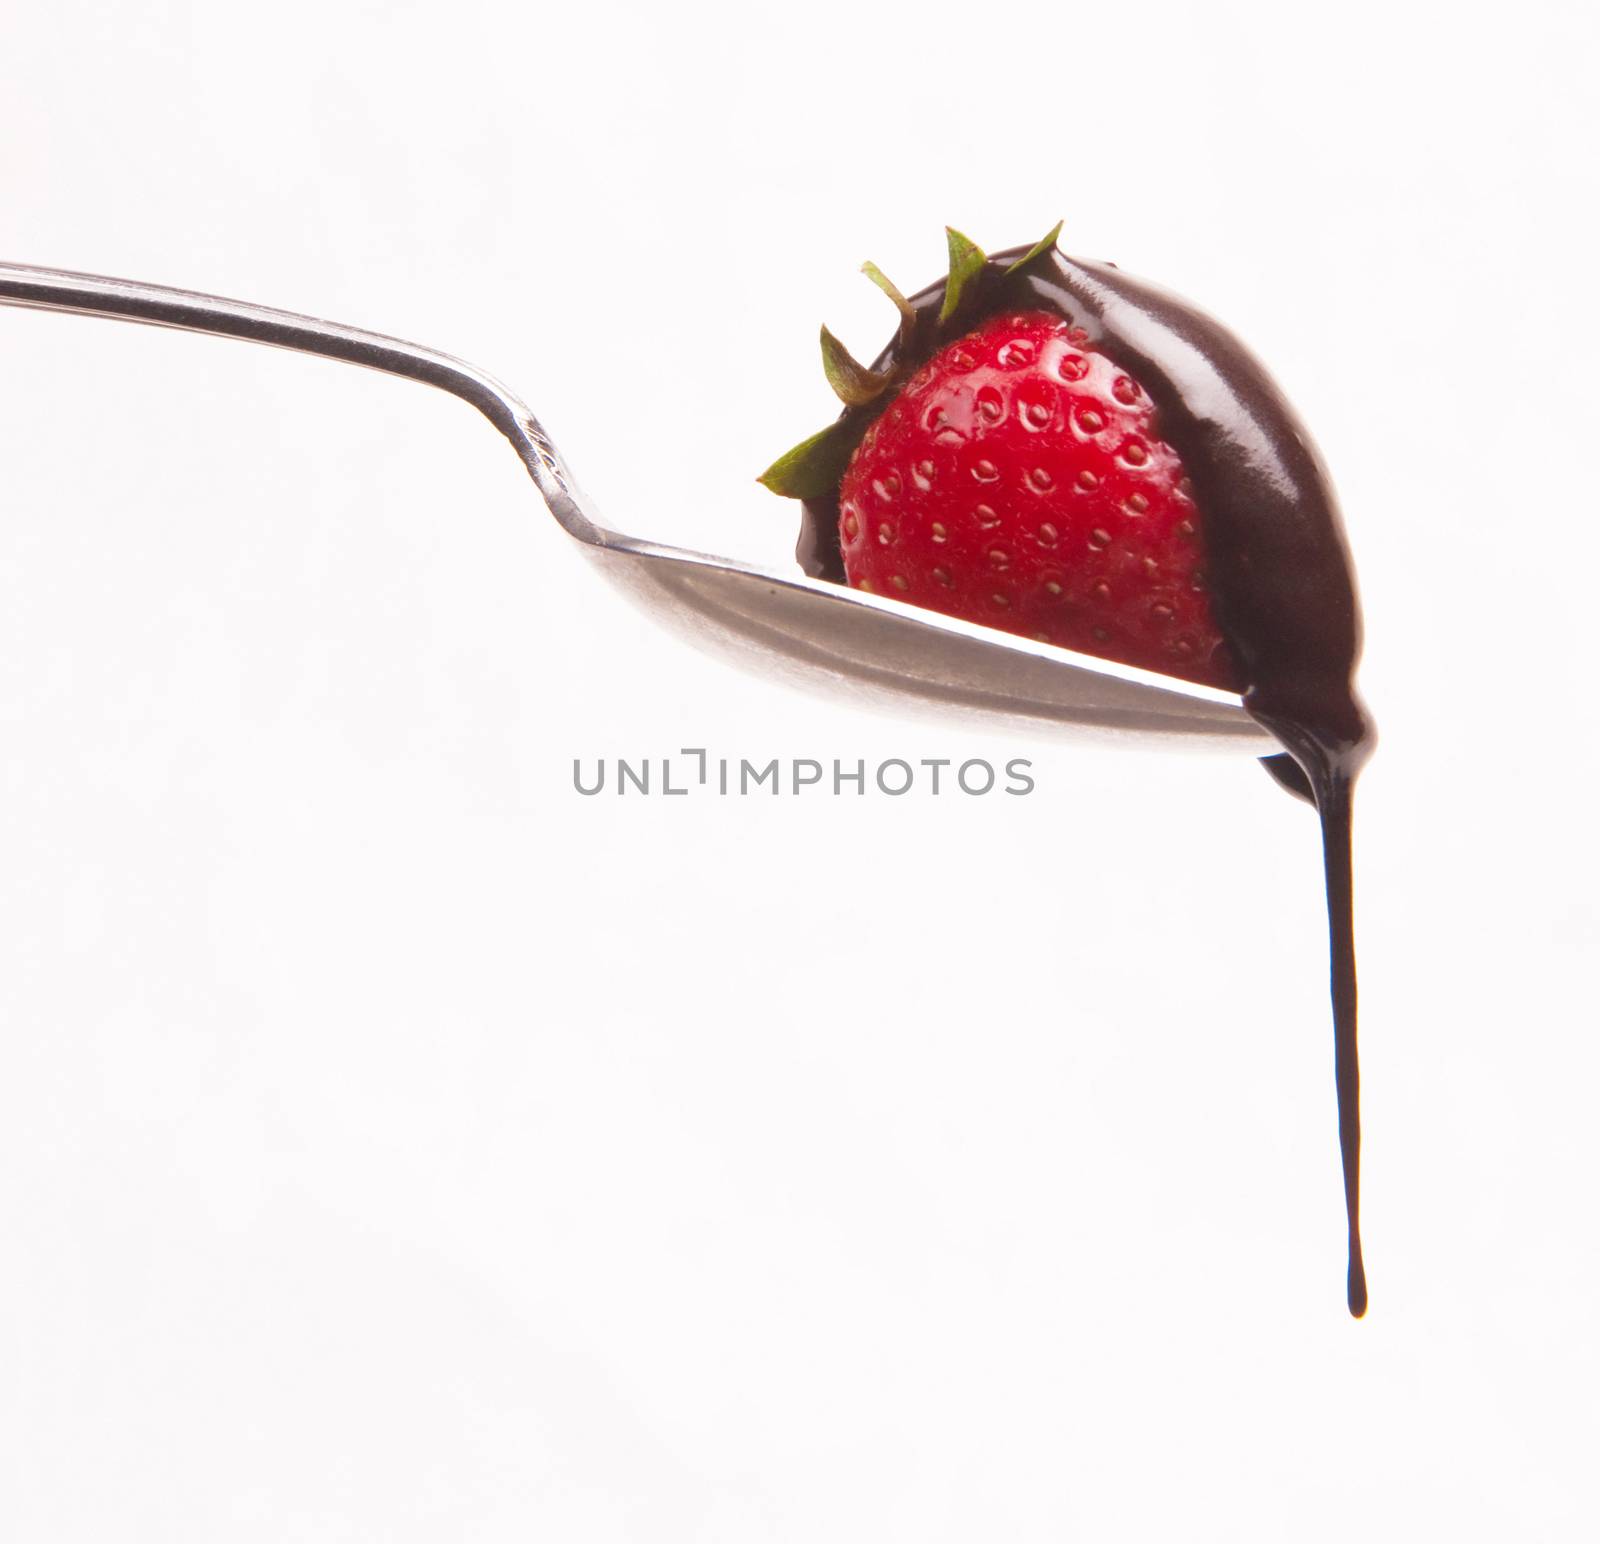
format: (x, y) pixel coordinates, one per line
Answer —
(395, 1145)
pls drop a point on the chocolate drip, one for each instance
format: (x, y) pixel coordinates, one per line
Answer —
(1289, 775)
(1281, 580)
(1333, 802)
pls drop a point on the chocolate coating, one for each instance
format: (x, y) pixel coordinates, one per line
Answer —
(1282, 584)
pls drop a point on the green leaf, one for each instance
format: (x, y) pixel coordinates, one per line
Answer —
(853, 384)
(1038, 249)
(966, 263)
(908, 315)
(812, 470)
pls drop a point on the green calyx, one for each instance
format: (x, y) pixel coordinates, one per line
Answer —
(1037, 250)
(908, 316)
(853, 384)
(967, 261)
(813, 468)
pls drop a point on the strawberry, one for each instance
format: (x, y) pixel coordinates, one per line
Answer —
(1016, 476)
(1055, 448)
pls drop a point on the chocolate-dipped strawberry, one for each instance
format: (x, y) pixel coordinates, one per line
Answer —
(1052, 447)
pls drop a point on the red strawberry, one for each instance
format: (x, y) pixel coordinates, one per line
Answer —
(1017, 457)
(1018, 478)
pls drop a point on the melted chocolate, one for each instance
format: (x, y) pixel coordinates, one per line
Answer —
(1281, 581)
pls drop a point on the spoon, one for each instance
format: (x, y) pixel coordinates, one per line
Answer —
(814, 634)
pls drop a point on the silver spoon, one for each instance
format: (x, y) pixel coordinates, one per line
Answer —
(812, 633)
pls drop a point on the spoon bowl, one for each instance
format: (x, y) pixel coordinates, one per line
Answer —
(808, 632)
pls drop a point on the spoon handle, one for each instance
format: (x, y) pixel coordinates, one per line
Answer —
(87, 294)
